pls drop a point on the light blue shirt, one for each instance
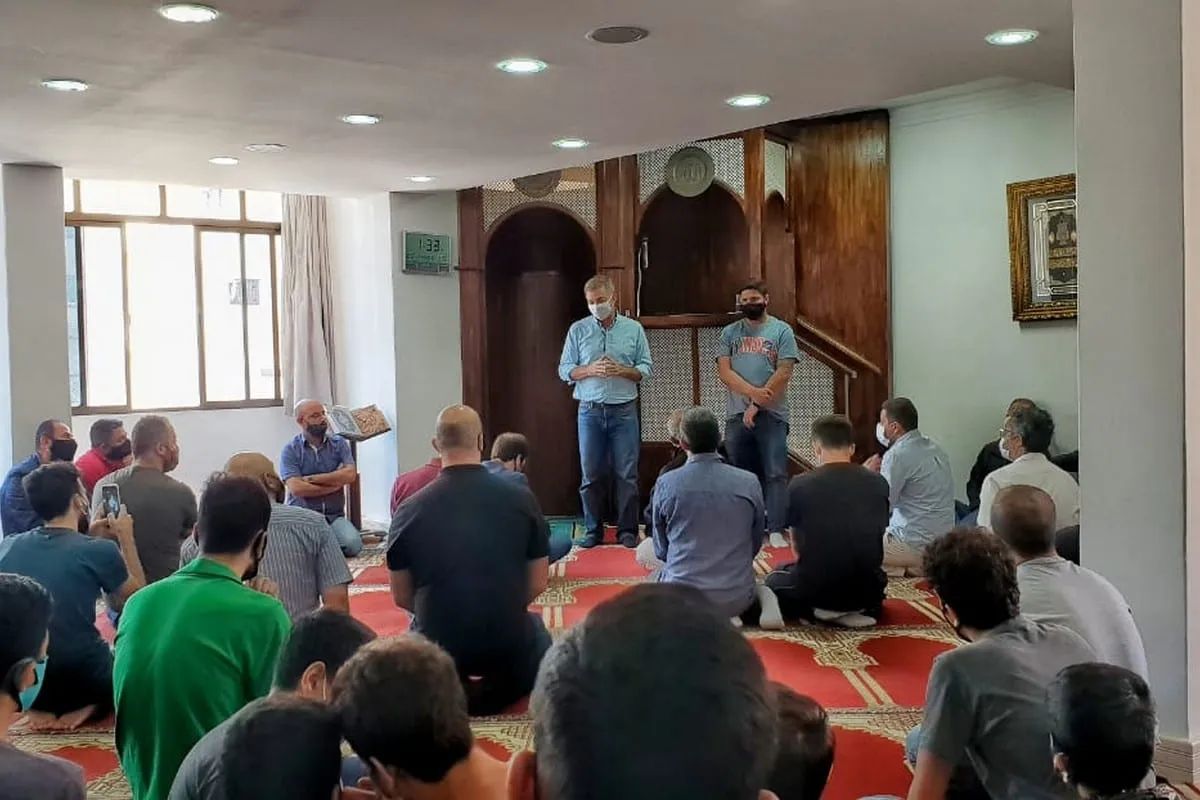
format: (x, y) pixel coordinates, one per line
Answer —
(921, 490)
(623, 342)
(708, 523)
(754, 353)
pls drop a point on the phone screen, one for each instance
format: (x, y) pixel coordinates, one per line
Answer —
(110, 499)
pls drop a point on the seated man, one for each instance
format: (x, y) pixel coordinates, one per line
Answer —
(1026, 437)
(317, 466)
(303, 557)
(280, 730)
(24, 634)
(319, 645)
(920, 487)
(991, 457)
(510, 457)
(75, 569)
(111, 451)
(469, 541)
(194, 648)
(1103, 732)
(1055, 591)
(837, 514)
(52, 442)
(403, 711)
(607, 726)
(708, 525)
(409, 483)
(806, 745)
(985, 704)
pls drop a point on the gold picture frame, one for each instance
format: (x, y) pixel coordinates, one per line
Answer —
(1043, 242)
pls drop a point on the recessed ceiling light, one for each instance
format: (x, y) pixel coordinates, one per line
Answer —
(618, 34)
(360, 119)
(1011, 36)
(570, 144)
(188, 12)
(748, 100)
(266, 147)
(223, 161)
(521, 66)
(65, 85)
(421, 178)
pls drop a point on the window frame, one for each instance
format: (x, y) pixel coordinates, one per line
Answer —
(79, 220)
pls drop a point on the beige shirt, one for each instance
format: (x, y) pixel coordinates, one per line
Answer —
(1033, 469)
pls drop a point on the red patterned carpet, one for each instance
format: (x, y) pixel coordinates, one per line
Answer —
(871, 681)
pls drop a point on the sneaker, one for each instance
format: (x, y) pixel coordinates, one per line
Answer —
(771, 617)
(630, 540)
(589, 541)
(778, 540)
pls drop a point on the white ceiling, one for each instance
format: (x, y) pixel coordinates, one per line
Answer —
(165, 97)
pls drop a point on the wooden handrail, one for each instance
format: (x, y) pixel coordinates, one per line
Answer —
(826, 340)
(822, 355)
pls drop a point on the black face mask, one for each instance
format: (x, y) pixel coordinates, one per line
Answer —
(753, 311)
(317, 431)
(63, 449)
(121, 451)
(260, 550)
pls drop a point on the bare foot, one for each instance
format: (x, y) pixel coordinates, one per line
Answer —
(72, 721)
(41, 721)
(371, 538)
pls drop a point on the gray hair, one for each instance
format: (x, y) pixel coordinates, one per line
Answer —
(599, 283)
(700, 430)
(1035, 427)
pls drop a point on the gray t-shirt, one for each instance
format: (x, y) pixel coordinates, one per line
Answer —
(1055, 591)
(163, 511)
(24, 776)
(754, 353)
(987, 700)
(200, 776)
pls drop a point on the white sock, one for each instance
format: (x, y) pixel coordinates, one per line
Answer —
(771, 618)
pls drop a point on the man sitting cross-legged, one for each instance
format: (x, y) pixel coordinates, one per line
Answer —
(303, 556)
(319, 645)
(653, 695)
(76, 569)
(708, 525)
(837, 514)
(1053, 590)
(467, 555)
(404, 713)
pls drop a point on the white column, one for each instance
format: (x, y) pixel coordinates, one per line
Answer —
(34, 383)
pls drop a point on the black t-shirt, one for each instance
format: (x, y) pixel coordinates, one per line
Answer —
(838, 514)
(467, 540)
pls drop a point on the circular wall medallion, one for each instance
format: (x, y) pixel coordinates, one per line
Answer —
(690, 171)
(539, 185)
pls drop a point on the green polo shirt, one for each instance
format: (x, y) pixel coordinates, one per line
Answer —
(191, 650)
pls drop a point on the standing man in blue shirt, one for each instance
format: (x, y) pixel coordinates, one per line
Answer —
(605, 357)
(53, 441)
(756, 358)
(316, 467)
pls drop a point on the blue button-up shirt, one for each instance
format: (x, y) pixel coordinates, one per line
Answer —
(708, 522)
(16, 515)
(299, 458)
(496, 467)
(921, 490)
(623, 342)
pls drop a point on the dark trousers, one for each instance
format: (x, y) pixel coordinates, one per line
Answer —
(72, 685)
(798, 598)
(493, 687)
(763, 451)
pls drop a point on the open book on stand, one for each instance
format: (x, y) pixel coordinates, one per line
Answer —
(358, 424)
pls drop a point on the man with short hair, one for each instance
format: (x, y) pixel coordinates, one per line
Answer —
(1055, 591)
(605, 357)
(403, 711)
(837, 514)
(194, 648)
(920, 487)
(52, 441)
(607, 726)
(990, 457)
(755, 360)
(320, 643)
(298, 733)
(165, 509)
(409, 483)
(806, 747)
(76, 570)
(316, 467)
(1026, 437)
(470, 541)
(510, 457)
(985, 703)
(303, 556)
(25, 610)
(708, 526)
(111, 451)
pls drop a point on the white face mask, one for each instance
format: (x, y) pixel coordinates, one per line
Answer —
(1004, 450)
(601, 311)
(881, 436)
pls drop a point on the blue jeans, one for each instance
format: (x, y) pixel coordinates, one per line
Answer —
(349, 539)
(763, 450)
(609, 440)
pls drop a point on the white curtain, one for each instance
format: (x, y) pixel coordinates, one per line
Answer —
(306, 321)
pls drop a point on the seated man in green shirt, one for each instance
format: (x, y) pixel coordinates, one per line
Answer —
(194, 648)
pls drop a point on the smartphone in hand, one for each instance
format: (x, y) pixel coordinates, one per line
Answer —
(110, 499)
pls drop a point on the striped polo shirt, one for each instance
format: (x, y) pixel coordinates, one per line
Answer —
(303, 557)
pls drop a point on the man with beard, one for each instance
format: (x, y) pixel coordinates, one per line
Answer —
(164, 508)
(317, 466)
(111, 450)
(194, 648)
(52, 442)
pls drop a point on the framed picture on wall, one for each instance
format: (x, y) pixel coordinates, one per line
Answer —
(1042, 241)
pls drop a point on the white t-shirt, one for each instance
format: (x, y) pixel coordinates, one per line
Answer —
(1033, 469)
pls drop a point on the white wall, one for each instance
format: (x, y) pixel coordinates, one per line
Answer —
(957, 353)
